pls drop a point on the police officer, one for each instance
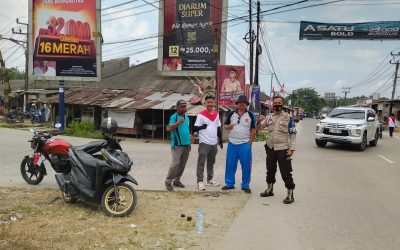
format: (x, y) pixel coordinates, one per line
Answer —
(279, 148)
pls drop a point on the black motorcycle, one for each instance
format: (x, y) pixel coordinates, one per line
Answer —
(100, 181)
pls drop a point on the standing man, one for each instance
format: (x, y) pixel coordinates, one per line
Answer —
(279, 148)
(180, 145)
(391, 122)
(241, 124)
(208, 126)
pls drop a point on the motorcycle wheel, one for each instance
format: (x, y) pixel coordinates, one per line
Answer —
(122, 207)
(32, 174)
(68, 198)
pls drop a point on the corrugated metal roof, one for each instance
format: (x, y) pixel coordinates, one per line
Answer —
(194, 110)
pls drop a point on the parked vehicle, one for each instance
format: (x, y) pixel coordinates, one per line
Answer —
(15, 116)
(349, 125)
(54, 151)
(100, 181)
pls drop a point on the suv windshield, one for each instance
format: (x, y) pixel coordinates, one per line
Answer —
(347, 114)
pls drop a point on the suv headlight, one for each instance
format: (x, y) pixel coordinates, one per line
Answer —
(319, 128)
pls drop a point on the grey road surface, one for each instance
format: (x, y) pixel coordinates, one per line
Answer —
(344, 199)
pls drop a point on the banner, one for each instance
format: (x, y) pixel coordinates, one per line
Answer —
(231, 84)
(191, 35)
(356, 31)
(254, 100)
(63, 46)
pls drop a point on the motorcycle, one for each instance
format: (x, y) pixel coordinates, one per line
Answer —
(100, 181)
(56, 152)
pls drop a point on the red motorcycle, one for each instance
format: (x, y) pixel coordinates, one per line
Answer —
(55, 151)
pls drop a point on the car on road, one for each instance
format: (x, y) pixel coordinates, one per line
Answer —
(349, 125)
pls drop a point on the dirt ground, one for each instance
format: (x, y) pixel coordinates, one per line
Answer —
(39, 219)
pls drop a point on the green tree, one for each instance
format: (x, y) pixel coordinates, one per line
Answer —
(14, 74)
(307, 98)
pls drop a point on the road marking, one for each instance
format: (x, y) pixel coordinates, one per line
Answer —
(386, 159)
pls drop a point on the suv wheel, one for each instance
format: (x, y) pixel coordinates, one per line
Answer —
(364, 143)
(375, 141)
(320, 143)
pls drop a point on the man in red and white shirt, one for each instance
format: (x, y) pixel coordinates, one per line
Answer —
(208, 127)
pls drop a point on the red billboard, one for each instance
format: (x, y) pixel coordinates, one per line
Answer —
(63, 45)
(191, 35)
(231, 84)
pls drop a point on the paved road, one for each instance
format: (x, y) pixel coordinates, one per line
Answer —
(344, 199)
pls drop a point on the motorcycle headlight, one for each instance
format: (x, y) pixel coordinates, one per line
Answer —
(33, 144)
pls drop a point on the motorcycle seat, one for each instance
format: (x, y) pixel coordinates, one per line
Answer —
(92, 147)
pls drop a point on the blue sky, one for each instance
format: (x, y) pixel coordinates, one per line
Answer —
(325, 65)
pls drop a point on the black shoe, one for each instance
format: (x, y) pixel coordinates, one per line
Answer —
(247, 190)
(227, 188)
(269, 191)
(289, 198)
(169, 187)
(178, 184)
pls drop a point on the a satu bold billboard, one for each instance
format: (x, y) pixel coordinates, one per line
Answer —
(65, 40)
(350, 31)
(191, 35)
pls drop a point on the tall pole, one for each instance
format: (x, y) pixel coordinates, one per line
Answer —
(251, 41)
(270, 91)
(61, 105)
(258, 47)
(26, 60)
(394, 81)
(346, 90)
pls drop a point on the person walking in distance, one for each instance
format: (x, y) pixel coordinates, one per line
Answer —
(242, 126)
(279, 148)
(391, 123)
(180, 145)
(208, 127)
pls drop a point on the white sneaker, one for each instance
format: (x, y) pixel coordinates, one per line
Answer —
(200, 185)
(212, 183)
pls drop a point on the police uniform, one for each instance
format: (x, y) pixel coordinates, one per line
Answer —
(282, 137)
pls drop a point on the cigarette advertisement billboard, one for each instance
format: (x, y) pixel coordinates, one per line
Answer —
(231, 84)
(350, 31)
(192, 37)
(64, 40)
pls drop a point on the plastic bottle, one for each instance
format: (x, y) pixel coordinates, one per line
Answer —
(200, 222)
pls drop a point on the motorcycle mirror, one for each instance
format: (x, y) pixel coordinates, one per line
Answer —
(58, 125)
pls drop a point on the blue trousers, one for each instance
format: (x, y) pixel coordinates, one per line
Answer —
(235, 152)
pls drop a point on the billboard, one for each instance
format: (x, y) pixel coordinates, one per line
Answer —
(64, 40)
(231, 84)
(350, 31)
(254, 100)
(190, 41)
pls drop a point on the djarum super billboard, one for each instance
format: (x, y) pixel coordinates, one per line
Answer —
(64, 40)
(192, 36)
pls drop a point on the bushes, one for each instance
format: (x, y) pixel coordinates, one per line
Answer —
(82, 129)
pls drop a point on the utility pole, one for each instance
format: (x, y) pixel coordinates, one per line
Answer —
(346, 90)
(250, 38)
(19, 32)
(258, 47)
(393, 61)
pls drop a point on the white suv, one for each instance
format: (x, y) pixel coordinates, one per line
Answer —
(348, 125)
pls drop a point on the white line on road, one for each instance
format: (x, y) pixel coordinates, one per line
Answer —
(386, 159)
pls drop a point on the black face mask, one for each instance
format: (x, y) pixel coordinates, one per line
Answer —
(277, 107)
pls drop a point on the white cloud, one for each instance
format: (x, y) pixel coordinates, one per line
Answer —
(366, 54)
